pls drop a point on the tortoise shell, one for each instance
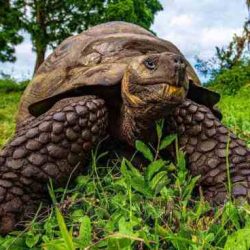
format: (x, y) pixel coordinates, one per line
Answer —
(95, 57)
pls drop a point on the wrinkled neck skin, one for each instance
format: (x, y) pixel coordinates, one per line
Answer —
(131, 127)
(138, 123)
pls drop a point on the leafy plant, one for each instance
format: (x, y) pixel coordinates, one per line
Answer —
(9, 85)
(230, 81)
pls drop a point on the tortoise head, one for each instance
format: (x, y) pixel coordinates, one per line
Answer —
(155, 83)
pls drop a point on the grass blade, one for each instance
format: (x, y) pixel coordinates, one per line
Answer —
(64, 231)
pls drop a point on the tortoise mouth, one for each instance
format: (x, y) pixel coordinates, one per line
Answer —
(169, 90)
(165, 92)
(175, 83)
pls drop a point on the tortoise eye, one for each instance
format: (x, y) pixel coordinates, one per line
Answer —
(150, 63)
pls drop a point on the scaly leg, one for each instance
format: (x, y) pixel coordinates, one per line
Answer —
(50, 146)
(205, 140)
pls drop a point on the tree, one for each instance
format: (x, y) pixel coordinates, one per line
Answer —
(226, 57)
(140, 12)
(235, 51)
(248, 22)
(50, 21)
(9, 27)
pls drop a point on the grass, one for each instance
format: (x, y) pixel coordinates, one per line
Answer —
(236, 112)
(115, 206)
(8, 108)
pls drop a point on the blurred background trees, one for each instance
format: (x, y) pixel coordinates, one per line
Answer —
(9, 27)
(50, 21)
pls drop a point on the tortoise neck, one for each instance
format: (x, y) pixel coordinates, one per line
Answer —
(133, 126)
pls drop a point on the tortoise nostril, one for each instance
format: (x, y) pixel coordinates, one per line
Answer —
(179, 60)
(180, 70)
(176, 60)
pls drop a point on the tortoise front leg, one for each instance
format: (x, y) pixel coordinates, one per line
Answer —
(50, 146)
(205, 141)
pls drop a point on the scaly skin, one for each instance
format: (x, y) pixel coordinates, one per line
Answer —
(205, 139)
(50, 146)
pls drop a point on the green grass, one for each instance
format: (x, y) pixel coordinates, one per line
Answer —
(236, 112)
(8, 108)
(115, 206)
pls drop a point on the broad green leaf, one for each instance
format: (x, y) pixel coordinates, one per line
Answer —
(82, 180)
(119, 243)
(161, 184)
(167, 141)
(167, 193)
(144, 149)
(125, 227)
(134, 177)
(77, 215)
(139, 185)
(31, 239)
(57, 244)
(134, 171)
(124, 169)
(239, 240)
(153, 168)
(157, 179)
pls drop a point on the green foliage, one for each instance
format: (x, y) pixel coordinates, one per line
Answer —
(8, 108)
(239, 240)
(140, 12)
(9, 27)
(144, 149)
(50, 22)
(116, 206)
(67, 236)
(229, 81)
(9, 85)
(236, 114)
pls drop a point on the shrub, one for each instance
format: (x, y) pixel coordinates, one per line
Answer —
(229, 81)
(9, 85)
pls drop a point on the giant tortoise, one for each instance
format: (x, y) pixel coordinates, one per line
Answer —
(117, 79)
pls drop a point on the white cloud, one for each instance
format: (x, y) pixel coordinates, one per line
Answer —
(196, 27)
(212, 37)
(181, 21)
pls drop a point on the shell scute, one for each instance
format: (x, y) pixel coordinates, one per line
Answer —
(98, 56)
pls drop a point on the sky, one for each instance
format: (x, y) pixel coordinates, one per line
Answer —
(195, 27)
